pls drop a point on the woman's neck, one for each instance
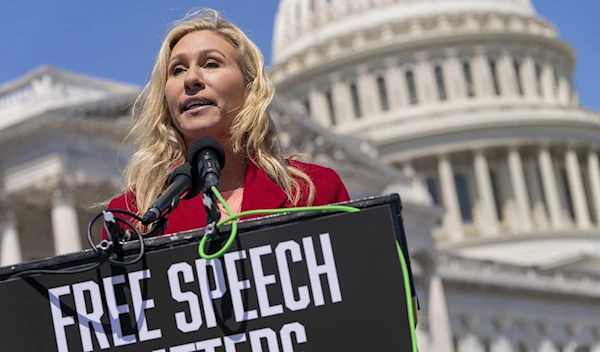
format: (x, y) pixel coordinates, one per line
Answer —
(234, 172)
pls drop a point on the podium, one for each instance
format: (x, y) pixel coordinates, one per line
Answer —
(310, 281)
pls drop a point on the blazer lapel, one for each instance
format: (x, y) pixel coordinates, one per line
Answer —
(260, 192)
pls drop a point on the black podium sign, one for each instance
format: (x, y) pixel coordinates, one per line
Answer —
(327, 283)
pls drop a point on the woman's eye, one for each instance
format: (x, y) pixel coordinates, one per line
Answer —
(177, 70)
(212, 64)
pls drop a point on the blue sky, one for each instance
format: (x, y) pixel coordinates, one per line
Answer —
(119, 39)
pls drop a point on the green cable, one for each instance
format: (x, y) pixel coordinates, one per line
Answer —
(231, 238)
(233, 234)
(409, 303)
(233, 219)
(288, 210)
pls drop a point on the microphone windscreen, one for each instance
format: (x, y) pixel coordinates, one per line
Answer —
(203, 143)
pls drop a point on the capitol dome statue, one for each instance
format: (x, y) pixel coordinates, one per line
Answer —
(476, 97)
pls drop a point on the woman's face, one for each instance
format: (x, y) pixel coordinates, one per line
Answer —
(205, 87)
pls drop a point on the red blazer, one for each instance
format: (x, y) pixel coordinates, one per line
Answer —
(260, 192)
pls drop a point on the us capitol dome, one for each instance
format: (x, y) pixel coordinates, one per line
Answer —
(475, 98)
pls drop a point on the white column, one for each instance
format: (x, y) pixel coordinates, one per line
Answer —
(452, 218)
(305, 11)
(439, 321)
(547, 80)
(424, 79)
(470, 342)
(396, 83)
(318, 107)
(481, 73)
(550, 187)
(455, 85)
(519, 187)
(540, 216)
(582, 215)
(484, 189)
(547, 346)
(10, 245)
(342, 100)
(502, 344)
(321, 12)
(596, 337)
(594, 177)
(292, 20)
(506, 74)
(510, 213)
(564, 85)
(423, 337)
(65, 224)
(368, 93)
(528, 77)
(571, 347)
(478, 214)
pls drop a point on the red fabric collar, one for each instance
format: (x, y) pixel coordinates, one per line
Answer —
(260, 192)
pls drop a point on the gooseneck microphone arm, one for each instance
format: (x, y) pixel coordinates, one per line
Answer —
(183, 183)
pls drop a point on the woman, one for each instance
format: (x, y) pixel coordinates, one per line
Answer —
(209, 80)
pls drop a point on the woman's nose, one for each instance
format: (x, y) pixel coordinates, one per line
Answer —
(193, 79)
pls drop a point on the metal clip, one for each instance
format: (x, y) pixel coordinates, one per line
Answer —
(105, 246)
(210, 230)
(108, 216)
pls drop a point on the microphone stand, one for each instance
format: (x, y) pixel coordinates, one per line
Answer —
(114, 235)
(213, 214)
(158, 227)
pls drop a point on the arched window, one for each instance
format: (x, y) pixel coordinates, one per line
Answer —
(330, 107)
(439, 80)
(468, 79)
(464, 198)
(564, 179)
(433, 190)
(412, 89)
(383, 95)
(494, 73)
(496, 193)
(355, 100)
(517, 67)
(587, 188)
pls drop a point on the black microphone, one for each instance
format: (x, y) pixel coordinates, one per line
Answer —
(183, 183)
(208, 155)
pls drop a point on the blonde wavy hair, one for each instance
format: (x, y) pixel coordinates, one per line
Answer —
(160, 146)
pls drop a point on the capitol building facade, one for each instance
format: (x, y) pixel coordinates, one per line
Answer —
(465, 108)
(477, 98)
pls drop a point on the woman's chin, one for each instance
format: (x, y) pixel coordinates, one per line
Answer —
(217, 133)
